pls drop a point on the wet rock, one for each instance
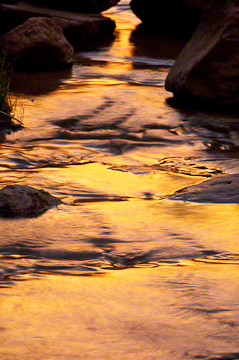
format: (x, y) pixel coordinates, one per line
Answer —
(81, 30)
(22, 199)
(222, 189)
(86, 31)
(207, 70)
(37, 45)
(84, 6)
(167, 17)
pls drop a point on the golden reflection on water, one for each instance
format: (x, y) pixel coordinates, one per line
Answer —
(100, 178)
(183, 308)
(208, 227)
(87, 318)
(122, 45)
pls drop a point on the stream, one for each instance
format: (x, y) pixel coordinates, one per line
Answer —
(119, 270)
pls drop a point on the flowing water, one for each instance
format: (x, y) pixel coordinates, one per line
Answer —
(118, 271)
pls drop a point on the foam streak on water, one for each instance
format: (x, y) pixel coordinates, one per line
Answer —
(118, 262)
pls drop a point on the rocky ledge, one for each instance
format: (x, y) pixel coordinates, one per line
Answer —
(25, 200)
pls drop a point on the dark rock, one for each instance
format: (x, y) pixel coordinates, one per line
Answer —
(81, 30)
(207, 70)
(222, 189)
(200, 4)
(22, 199)
(83, 6)
(86, 32)
(167, 17)
(38, 44)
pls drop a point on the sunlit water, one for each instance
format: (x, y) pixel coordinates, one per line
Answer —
(148, 278)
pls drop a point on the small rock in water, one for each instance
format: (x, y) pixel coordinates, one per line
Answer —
(222, 189)
(23, 199)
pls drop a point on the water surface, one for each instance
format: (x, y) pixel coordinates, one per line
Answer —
(118, 271)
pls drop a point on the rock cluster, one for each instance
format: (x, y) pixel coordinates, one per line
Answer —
(48, 41)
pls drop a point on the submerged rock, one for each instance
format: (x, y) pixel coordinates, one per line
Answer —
(208, 68)
(23, 199)
(171, 17)
(81, 30)
(38, 44)
(222, 189)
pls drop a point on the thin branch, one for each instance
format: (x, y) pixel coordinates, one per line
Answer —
(12, 117)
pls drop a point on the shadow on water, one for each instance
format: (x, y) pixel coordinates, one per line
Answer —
(229, 356)
(7, 128)
(4, 214)
(148, 43)
(188, 107)
(216, 125)
(40, 83)
(191, 104)
(97, 45)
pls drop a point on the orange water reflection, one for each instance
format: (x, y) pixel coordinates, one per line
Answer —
(176, 296)
(87, 318)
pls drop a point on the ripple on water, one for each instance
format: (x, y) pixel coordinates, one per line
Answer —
(227, 258)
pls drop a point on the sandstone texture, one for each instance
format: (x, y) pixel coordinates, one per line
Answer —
(222, 189)
(167, 17)
(207, 70)
(82, 31)
(22, 199)
(38, 44)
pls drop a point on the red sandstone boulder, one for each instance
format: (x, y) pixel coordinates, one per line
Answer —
(208, 68)
(37, 45)
(171, 17)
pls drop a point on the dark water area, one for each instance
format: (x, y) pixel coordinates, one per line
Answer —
(118, 262)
